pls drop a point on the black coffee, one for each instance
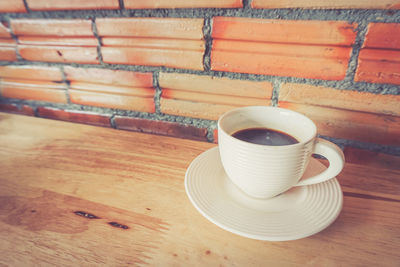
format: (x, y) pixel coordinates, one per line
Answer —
(265, 136)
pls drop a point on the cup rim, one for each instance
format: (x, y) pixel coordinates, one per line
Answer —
(223, 116)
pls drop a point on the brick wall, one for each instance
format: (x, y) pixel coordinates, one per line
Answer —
(173, 67)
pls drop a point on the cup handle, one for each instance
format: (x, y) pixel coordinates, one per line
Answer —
(335, 157)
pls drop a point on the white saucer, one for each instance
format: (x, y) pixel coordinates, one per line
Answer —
(297, 213)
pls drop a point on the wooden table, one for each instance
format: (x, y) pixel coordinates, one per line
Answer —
(81, 195)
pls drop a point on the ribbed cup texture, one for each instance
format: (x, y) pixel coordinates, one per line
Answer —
(263, 171)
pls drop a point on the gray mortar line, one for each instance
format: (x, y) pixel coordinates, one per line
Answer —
(15, 38)
(99, 44)
(247, 4)
(121, 4)
(361, 31)
(157, 92)
(283, 13)
(34, 104)
(35, 111)
(83, 66)
(28, 9)
(276, 86)
(112, 121)
(207, 32)
(66, 82)
(210, 131)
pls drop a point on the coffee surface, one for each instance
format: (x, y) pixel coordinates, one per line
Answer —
(265, 136)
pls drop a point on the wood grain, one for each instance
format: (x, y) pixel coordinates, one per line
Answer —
(75, 194)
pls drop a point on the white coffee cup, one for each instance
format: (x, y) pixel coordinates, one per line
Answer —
(264, 171)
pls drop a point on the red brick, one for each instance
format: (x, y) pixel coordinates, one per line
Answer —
(199, 110)
(343, 99)
(52, 27)
(170, 42)
(33, 90)
(175, 28)
(215, 135)
(321, 4)
(100, 99)
(190, 45)
(111, 88)
(33, 83)
(352, 125)
(4, 31)
(161, 128)
(383, 35)
(212, 99)
(378, 66)
(47, 95)
(285, 31)
(53, 40)
(31, 73)
(113, 77)
(75, 116)
(83, 55)
(280, 59)
(8, 54)
(139, 4)
(72, 4)
(7, 42)
(153, 57)
(215, 86)
(380, 54)
(14, 108)
(8, 50)
(12, 6)
(208, 97)
(58, 41)
(379, 60)
(282, 48)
